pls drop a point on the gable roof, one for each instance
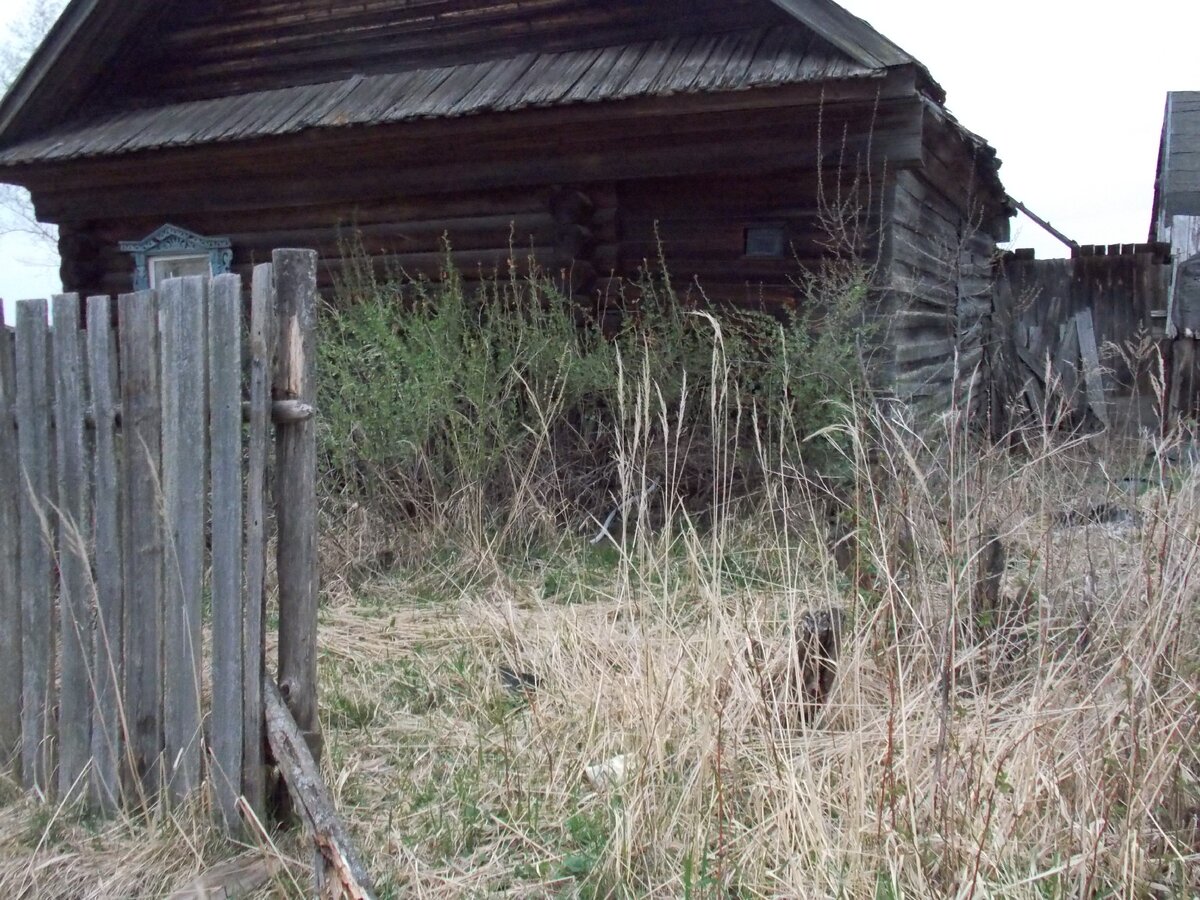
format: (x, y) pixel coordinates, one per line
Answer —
(91, 33)
(1177, 185)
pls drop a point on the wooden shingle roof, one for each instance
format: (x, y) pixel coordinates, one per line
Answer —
(44, 115)
(738, 60)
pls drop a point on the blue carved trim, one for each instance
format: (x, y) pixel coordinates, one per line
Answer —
(171, 240)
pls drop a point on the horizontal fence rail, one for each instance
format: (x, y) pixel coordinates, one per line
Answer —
(134, 468)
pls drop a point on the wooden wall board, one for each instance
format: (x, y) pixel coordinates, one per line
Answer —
(74, 546)
(39, 697)
(10, 557)
(108, 650)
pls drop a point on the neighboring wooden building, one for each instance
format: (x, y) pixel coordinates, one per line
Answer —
(1177, 185)
(749, 138)
(1176, 221)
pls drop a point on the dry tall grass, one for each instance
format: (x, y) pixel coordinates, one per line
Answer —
(1042, 746)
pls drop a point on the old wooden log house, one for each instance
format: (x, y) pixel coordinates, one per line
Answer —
(747, 138)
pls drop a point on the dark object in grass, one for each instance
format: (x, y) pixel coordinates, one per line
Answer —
(796, 682)
(1098, 514)
(518, 682)
(986, 600)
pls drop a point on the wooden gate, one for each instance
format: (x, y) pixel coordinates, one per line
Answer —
(133, 531)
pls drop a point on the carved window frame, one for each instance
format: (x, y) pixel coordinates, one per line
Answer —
(173, 241)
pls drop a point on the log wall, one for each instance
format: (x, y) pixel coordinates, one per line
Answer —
(592, 192)
(937, 273)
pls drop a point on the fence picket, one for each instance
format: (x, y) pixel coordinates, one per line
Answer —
(183, 309)
(109, 643)
(37, 637)
(10, 587)
(225, 366)
(262, 351)
(74, 526)
(142, 563)
(295, 488)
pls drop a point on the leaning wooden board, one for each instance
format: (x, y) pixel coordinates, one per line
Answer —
(1093, 375)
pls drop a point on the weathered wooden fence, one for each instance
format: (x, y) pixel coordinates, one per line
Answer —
(1078, 335)
(133, 534)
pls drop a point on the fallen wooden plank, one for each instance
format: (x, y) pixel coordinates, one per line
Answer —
(311, 800)
(1066, 362)
(238, 878)
(1035, 366)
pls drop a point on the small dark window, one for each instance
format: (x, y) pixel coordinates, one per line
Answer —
(766, 242)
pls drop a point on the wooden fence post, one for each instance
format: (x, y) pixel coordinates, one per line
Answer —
(295, 489)
(37, 637)
(10, 556)
(225, 416)
(262, 350)
(142, 564)
(74, 535)
(108, 650)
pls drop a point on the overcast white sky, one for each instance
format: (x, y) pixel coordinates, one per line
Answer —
(1071, 94)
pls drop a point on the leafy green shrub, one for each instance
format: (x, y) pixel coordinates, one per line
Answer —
(499, 401)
